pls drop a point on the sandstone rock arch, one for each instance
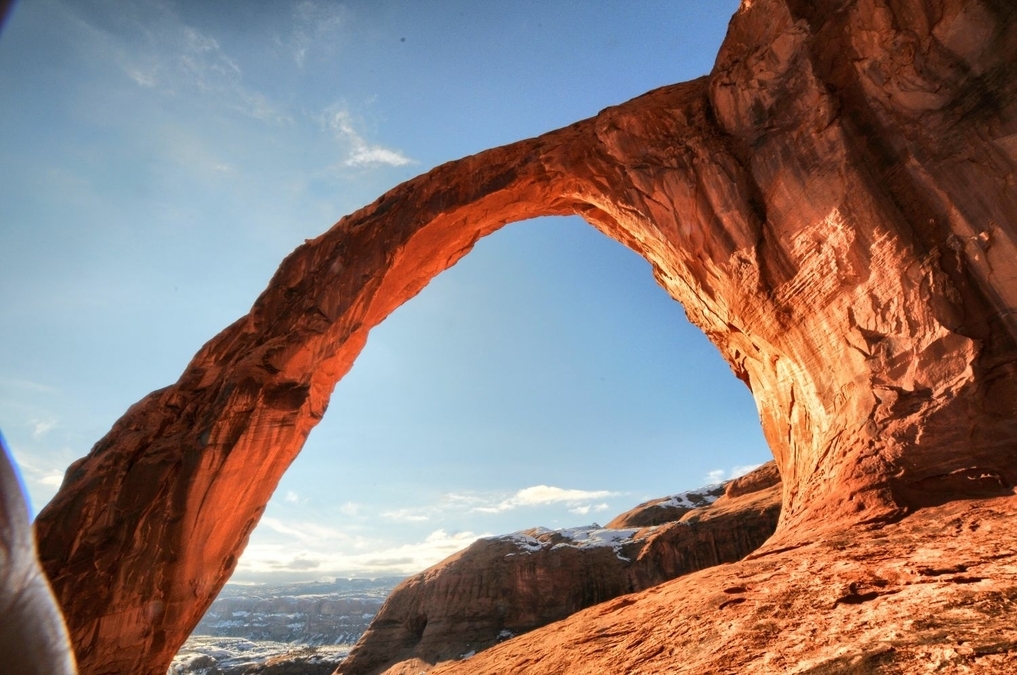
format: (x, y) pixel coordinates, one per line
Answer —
(834, 206)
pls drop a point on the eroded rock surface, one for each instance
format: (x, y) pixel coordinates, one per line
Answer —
(834, 206)
(504, 586)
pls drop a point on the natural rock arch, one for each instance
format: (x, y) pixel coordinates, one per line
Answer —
(838, 219)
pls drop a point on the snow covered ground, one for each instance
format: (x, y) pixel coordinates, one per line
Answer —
(703, 496)
(207, 655)
(589, 536)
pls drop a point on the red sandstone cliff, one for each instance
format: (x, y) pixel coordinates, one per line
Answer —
(834, 206)
(504, 586)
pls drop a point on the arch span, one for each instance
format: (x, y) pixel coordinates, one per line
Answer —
(845, 242)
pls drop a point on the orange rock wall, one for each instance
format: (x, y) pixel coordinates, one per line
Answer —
(834, 206)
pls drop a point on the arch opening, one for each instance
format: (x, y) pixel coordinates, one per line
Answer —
(548, 356)
(198, 461)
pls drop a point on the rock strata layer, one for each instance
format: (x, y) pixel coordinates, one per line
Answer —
(504, 586)
(834, 205)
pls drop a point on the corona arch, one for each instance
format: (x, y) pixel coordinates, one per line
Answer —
(824, 227)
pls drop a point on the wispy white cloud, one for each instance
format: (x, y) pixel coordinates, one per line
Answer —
(585, 509)
(361, 153)
(14, 383)
(204, 58)
(301, 561)
(51, 480)
(43, 473)
(291, 549)
(42, 427)
(317, 27)
(544, 495)
(743, 469)
(291, 559)
(449, 502)
(291, 497)
(407, 515)
(580, 502)
(715, 476)
(204, 64)
(721, 475)
(193, 154)
(461, 500)
(367, 155)
(306, 532)
(157, 51)
(140, 78)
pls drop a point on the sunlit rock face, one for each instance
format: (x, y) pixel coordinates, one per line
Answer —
(501, 587)
(834, 206)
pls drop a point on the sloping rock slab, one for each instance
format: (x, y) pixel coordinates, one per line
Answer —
(935, 592)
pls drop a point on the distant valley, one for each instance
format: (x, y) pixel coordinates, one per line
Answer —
(279, 629)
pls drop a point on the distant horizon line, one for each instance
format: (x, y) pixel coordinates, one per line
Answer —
(323, 581)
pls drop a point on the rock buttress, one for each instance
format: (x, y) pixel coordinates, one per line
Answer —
(834, 205)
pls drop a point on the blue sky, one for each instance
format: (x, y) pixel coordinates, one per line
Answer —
(161, 158)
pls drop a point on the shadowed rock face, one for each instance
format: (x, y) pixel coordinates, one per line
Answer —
(504, 586)
(33, 639)
(834, 206)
